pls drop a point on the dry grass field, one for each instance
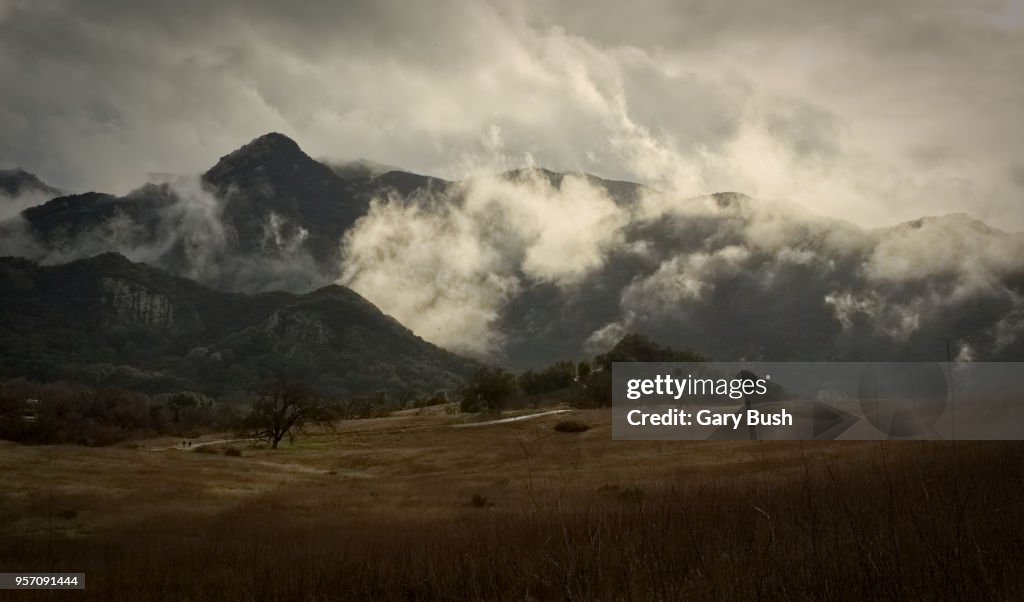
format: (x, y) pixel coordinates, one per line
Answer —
(407, 507)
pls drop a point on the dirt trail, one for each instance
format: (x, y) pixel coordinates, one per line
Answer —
(198, 445)
(512, 419)
(195, 445)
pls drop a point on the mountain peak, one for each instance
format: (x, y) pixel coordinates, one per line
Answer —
(272, 192)
(268, 146)
(272, 142)
(270, 155)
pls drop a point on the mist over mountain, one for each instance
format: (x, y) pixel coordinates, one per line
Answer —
(359, 168)
(265, 217)
(530, 266)
(20, 189)
(532, 269)
(15, 182)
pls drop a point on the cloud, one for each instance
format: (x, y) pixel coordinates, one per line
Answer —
(10, 206)
(831, 105)
(453, 265)
(183, 230)
(894, 320)
(874, 113)
(954, 246)
(446, 266)
(187, 223)
(682, 280)
(724, 266)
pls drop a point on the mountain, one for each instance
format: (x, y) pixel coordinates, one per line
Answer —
(264, 217)
(534, 267)
(108, 321)
(16, 182)
(270, 181)
(531, 266)
(738, 278)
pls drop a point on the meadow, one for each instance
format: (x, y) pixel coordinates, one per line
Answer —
(407, 507)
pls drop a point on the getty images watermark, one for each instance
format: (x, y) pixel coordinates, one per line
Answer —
(818, 400)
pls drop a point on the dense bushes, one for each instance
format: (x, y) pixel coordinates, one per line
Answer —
(488, 390)
(595, 389)
(64, 412)
(556, 376)
(585, 385)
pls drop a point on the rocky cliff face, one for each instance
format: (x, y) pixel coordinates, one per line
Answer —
(109, 321)
(129, 302)
(298, 328)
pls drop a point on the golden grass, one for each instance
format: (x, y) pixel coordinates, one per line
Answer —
(407, 507)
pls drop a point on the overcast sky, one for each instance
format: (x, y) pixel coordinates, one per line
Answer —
(873, 111)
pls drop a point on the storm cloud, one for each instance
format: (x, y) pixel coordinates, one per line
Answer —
(874, 112)
(845, 123)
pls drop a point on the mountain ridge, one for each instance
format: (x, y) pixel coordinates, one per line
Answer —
(725, 273)
(108, 320)
(274, 148)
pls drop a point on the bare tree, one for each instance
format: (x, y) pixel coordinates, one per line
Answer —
(488, 390)
(284, 409)
(406, 397)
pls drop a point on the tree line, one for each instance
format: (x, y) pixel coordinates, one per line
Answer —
(73, 413)
(584, 384)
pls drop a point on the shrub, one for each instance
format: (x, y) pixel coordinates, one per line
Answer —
(571, 426)
(234, 452)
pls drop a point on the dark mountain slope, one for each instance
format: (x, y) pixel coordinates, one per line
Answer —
(271, 179)
(106, 320)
